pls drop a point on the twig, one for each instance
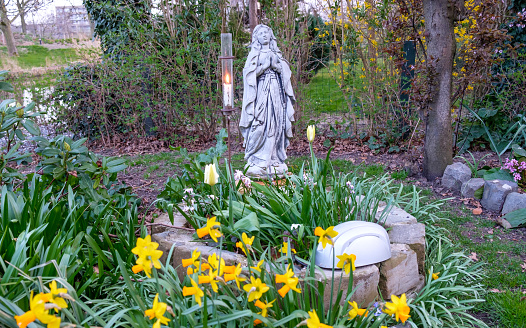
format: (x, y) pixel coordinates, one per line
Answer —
(67, 193)
(144, 185)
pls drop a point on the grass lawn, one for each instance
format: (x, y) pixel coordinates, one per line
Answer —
(37, 56)
(324, 95)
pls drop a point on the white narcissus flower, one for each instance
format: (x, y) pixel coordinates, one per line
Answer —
(295, 226)
(211, 176)
(311, 132)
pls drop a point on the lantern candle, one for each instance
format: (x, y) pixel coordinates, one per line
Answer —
(227, 70)
(227, 91)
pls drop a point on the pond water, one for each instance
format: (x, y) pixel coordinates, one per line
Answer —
(41, 96)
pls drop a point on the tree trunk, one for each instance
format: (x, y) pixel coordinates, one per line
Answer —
(440, 38)
(5, 27)
(23, 21)
(252, 14)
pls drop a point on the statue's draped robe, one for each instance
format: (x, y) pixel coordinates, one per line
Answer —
(267, 113)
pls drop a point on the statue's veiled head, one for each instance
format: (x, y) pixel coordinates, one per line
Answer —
(261, 35)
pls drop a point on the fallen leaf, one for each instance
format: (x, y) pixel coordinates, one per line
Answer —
(523, 266)
(477, 211)
(473, 256)
(495, 290)
(490, 231)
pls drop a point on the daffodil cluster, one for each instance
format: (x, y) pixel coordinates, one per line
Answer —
(41, 304)
(148, 256)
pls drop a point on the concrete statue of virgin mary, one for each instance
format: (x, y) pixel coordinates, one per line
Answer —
(267, 112)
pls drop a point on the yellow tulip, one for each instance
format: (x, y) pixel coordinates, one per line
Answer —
(211, 176)
(311, 132)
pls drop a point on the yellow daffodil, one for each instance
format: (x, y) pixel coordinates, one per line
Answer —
(157, 311)
(264, 310)
(235, 275)
(314, 322)
(398, 307)
(194, 290)
(258, 266)
(193, 260)
(38, 310)
(255, 289)
(211, 228)
(216, 264)
(148, 256)
(346, 262)
(435, 275)
(211, 176)
(56, 296)
(356, 311)
(284, 249)
(211, 279)
(311, 132)
(325, 235)
(289, 282)
(247, 241)
(204, 267)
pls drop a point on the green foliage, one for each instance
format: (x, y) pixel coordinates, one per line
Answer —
(399, 175)
(13, 120)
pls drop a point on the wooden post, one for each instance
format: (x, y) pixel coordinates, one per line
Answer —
(252, 14)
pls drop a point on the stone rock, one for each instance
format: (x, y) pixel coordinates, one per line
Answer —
(455, 175)
(399, 274)
(393, 216)
(413, 235)
(513, 202)
(365, 281)
(495, 193)
(162, 223)
(183, 246)
(470, 187)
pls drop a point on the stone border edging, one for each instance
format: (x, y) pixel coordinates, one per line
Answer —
(402, 273)
(499, 195)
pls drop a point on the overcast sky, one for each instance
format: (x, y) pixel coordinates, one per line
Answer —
(51, 9)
